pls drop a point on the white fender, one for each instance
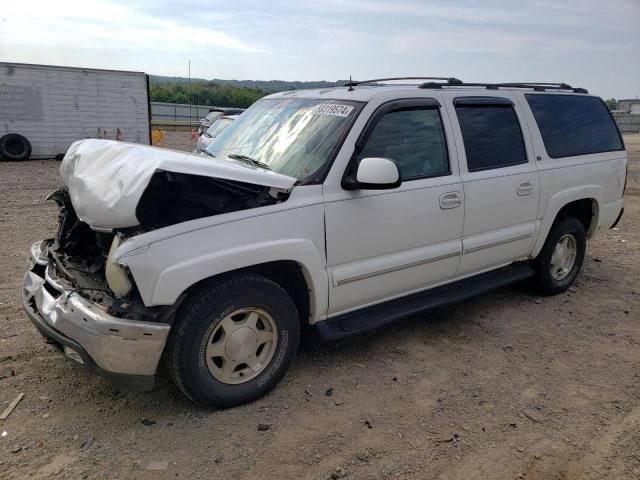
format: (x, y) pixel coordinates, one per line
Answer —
(175, 279)
(558, 201)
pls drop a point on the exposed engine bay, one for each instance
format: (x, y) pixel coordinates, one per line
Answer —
(78, 254)
(115, 186)
(172, 198)
(82, 255)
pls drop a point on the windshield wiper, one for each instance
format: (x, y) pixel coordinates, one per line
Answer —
(249, 160)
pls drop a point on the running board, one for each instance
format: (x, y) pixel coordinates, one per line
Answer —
(376, 316)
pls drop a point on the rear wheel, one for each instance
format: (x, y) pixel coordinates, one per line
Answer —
(561, 257)
(14, 147)
(233, 341)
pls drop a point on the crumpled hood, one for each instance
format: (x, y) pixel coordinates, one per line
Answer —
(106, 178)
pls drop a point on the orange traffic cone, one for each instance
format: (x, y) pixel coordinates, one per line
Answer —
(193, 134)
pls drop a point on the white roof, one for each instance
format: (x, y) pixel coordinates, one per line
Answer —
(365, 93)
(360, 93)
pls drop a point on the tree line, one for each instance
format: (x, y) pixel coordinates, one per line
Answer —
(205, 93)
(235, 93)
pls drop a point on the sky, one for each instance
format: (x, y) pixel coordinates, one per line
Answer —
(593, 44)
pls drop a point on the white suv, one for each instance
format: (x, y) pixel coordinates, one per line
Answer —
(343, 208)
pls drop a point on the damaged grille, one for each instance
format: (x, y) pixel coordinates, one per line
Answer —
(78, 253)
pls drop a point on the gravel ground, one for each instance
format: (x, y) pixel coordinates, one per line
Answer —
(509, 385)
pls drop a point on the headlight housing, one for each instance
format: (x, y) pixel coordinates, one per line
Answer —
(117, 275)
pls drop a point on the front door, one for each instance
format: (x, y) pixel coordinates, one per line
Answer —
(383, 244)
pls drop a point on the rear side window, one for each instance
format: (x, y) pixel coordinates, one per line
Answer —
(492, 136)
(574, 125)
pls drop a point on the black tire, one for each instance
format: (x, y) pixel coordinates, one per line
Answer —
(543, 265)
(14, 147)
(200, 314)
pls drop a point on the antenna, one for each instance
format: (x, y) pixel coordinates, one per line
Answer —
(190, 129)
(350, 84)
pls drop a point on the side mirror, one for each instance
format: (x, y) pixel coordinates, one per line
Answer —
(374, 173)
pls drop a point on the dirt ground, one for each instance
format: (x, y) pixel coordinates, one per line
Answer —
(506, 386)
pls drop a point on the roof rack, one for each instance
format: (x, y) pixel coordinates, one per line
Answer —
(454, 82)
(353, 83)
(536, 86)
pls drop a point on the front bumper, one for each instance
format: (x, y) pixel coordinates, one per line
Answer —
(125, 351)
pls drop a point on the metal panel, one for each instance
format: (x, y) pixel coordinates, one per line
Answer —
(628, 122)
(179, 112)
(60, 105)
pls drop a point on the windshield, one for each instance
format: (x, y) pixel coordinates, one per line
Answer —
(291, 136)
(219, 125)
(211, 116)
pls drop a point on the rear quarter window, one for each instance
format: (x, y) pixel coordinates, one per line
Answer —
(574, 125)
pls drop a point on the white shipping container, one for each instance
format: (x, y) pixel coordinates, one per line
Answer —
(55, 106)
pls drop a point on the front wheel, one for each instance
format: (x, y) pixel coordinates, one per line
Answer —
(233, 341)
(561, 257)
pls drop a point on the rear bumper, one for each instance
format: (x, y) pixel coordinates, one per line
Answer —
(610, 214)
(618, 218)
(125, 351)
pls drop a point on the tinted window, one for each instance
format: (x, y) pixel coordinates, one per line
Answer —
(492, 136)
(574, 125)
(414, 138)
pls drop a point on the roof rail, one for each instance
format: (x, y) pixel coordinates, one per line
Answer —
(536, 86)
(353, 83)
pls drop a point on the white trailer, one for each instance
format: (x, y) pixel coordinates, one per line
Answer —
(44, 108)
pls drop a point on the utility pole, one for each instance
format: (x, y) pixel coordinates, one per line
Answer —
(189, 95)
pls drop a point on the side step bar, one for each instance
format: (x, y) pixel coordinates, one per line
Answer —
(376, 316)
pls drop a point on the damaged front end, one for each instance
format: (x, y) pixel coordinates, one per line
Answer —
(116, 186)
(84, 257)
(67, 295)
(172, 198)
(76, 292)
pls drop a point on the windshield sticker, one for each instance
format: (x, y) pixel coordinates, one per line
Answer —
(332, 109)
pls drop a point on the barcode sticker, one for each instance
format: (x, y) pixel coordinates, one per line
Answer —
(332, 109)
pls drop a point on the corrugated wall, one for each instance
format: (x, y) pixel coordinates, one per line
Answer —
(628, 122)
(55, 106)
(178, 112)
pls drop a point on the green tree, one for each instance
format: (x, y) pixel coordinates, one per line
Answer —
(205, 93)
(180, 98)
(612, 103)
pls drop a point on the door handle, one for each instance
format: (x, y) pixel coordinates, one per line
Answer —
(450, 200)
(525, 188)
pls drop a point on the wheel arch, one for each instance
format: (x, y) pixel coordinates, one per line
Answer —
(295, 265)
(583, 204)
(288, 274)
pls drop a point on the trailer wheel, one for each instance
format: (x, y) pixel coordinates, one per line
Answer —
(14, 146)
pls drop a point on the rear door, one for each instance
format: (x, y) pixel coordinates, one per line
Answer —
(500, 179)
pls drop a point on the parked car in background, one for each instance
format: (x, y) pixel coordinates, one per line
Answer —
(338, 209)
(213, 131)
(216, 113)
